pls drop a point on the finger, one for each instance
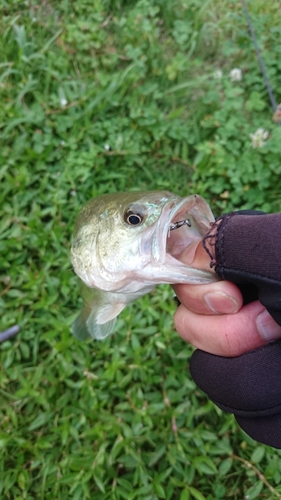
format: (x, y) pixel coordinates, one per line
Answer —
(228, 335)
(222, 297)
(217, 298)
(196, 256)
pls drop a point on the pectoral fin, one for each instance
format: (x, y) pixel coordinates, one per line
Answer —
(86, 326)
(98, 316)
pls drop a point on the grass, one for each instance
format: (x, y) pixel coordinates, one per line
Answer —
(122, 419)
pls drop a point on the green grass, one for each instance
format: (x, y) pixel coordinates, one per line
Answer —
(122, 419)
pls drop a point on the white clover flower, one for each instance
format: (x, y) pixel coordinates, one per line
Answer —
(73, 192)
(235, 75)
(63, 102)
(106, 147)
(259, 138)
(218, 74)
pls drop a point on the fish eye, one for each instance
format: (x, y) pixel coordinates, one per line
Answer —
(134, 219)
(134, 215)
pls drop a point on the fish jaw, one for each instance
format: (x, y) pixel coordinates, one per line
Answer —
(167, 245)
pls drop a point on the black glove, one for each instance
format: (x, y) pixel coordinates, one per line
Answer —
(249, 386)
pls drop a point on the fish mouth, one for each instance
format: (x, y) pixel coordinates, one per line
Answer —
(180, 224)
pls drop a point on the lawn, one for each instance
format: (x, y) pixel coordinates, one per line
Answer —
(100, 96)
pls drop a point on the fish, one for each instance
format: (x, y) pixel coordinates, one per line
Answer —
(125, 244)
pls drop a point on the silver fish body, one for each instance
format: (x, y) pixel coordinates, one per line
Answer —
(126, 243)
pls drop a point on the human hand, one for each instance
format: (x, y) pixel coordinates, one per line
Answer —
(212, 317)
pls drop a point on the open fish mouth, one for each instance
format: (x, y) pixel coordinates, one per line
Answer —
(185, 222)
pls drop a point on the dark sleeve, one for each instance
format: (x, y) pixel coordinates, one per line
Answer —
(247, 252)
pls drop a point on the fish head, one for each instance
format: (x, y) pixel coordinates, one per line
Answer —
(124, 241)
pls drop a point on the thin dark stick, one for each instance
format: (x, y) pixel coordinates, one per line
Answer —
(260, 59)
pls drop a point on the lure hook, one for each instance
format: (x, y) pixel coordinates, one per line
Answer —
(180, 223)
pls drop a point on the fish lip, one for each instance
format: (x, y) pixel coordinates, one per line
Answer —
(188, 204)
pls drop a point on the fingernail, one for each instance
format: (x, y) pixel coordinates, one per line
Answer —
(220, 303)
(267, 327)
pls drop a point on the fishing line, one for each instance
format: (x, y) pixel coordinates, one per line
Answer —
(260, 59)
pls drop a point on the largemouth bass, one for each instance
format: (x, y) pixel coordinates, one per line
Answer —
(126, 243)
